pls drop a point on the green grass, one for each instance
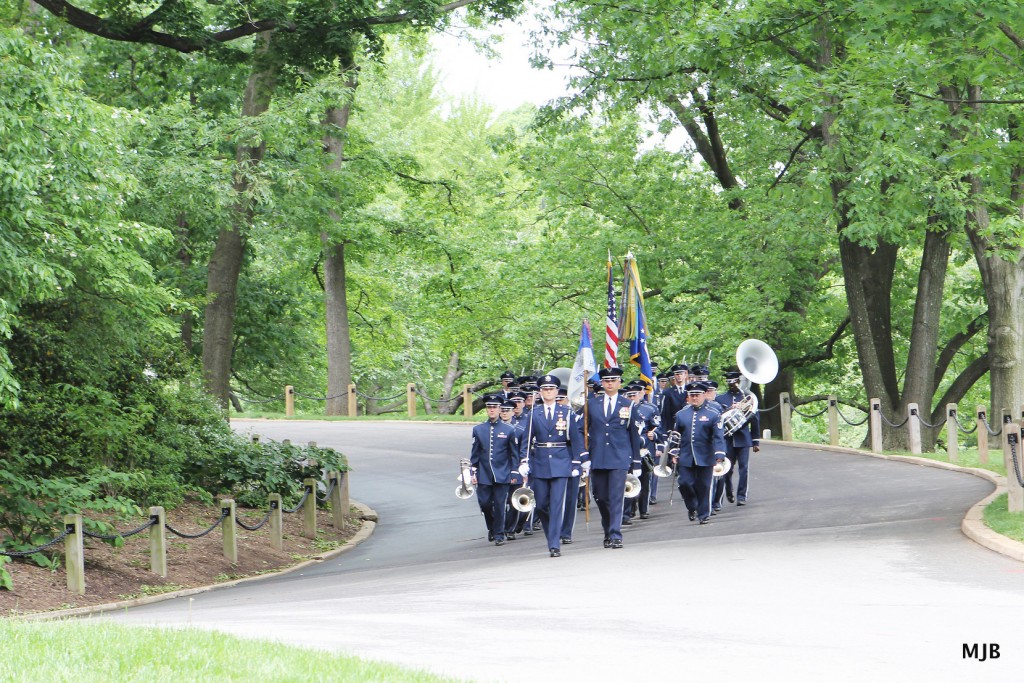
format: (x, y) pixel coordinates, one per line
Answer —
(1002, 521)
(102, 652)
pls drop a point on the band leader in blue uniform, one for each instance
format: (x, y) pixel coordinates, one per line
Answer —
(702, 444)
(554, 444)
(615, 442)
(493, 457)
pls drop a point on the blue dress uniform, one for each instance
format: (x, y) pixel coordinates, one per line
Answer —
(553, 452)
(702, 444)
(738, 445)
(648, 412)
(494, 454)
(572, 487)
(514, 519)
(615, 445)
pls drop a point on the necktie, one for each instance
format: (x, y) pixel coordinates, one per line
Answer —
(607, 407)
(549, 416)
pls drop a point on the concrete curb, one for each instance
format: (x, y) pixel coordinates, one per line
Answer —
(369, 518)
(973, 524)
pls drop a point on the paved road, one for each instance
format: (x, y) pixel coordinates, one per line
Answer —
(842, 566)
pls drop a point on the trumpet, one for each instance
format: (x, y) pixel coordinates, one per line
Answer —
(669, 449)
(465, 488)
(523, 499)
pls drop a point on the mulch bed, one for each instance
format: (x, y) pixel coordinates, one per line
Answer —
(113, 574)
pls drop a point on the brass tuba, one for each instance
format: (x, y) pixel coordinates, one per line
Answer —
(759, 365)
(465, 488)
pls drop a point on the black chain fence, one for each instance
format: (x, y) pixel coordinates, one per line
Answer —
(124, 534)
(223, 515)
(848, 420)
(68, 528)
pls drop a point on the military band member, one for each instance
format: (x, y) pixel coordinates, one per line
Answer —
(514, 519)
(493, 456)
(507, 381)
(573, 491)
(553, 456)
(658, 399)
(646, 423)
(740, 443)
(615, 445)
(702, 445)
(674, 398)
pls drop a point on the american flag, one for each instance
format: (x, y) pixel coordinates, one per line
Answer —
(611, 329)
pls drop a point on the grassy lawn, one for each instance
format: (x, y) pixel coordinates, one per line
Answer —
(94, 651)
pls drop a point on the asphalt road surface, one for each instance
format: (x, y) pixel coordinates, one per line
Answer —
(841, 567)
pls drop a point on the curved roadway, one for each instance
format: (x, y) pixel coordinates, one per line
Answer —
(843, 566)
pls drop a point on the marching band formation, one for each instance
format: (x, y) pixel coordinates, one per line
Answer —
(536, 461)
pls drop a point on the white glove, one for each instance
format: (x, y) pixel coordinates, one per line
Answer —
(644, 451)
(586, 467)
(575, 473)
(524, 469)
(637, 473)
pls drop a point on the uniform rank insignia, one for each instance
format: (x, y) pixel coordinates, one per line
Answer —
(623, 413)
(502, 436)
(560, 425)
(703, 418)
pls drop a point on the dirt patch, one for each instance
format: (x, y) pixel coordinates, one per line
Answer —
(113, 574)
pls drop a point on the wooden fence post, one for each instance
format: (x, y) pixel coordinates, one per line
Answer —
(227, 528)
(289, 401)
(353, 405)
(74, 554)
(339, 499)
(276, 521)
(914, 428)
(979, 412)
(833, 420)
(158, 542)
(876, 425)
(309, 509)
(1014, 467)
(786, 416)
(411, 399)
(467, 400)
(952, 434)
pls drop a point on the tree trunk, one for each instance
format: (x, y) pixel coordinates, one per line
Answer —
(185, 257)
(339, 340)
(226, 260)
(450, 378)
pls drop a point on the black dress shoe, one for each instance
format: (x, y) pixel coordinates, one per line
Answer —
(693, 515)
(490, 538)
(731, 498)
(555, 552)
(705, 520)
(565, 541)
(617, 543)
(627, 522)
(741, 502)
(528, 532)
(654, 501)
(500, 541)
(536, 526)
(510, 537)
(607, 543)
(644, 515)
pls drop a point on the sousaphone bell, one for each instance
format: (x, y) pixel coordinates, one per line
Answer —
(632, 486)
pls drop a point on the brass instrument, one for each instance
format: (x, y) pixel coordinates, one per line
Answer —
(669, 449)
(465, 488)
(523, 499)
(632, 486)
(759, 365)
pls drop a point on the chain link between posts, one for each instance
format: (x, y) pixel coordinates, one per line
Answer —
(223, 515)
(29, 553)
(124, 534)
(847, 420)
